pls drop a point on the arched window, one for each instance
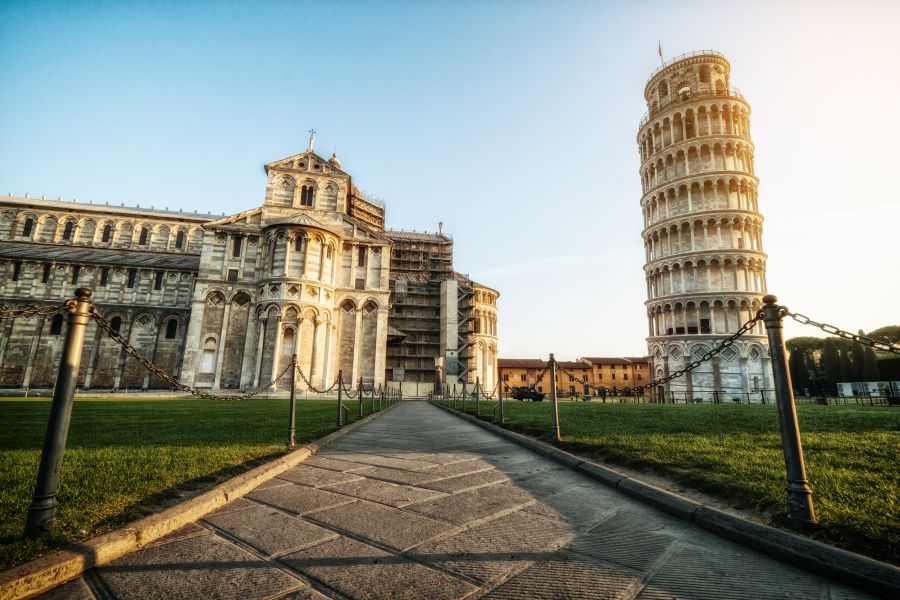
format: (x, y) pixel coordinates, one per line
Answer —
(67, 232)
(298, 242)
(116, 324)
(704, 75)
(307, 195)
(142, 241)
(171, 329)
(287, 341)
(56, 325)
(663, 89)
(107, 233)
(29, 225)
(179, 240)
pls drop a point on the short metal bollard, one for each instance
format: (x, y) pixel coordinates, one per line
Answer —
(800, 503)
(340, 398)
(42, 511)
(554, 412)
(292, 427)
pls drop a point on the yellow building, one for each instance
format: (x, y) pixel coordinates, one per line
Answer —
(578, 377)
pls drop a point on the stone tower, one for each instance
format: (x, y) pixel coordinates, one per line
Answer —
(705, 265)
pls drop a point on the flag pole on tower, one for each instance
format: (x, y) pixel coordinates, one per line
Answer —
(659, 43)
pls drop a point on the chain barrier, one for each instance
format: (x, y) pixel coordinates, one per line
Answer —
(346, 391)
(492, 394)
(147, 364)
(34, 311)
(831, 329)
(310, 386)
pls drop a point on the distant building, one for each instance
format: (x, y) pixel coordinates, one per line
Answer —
(223, 303)
(597, 372)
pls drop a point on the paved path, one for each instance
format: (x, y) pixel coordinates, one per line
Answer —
(422, 505)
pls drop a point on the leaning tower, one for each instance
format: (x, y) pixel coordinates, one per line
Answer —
(705, 265)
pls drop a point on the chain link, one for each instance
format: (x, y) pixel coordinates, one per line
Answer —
(147, 364)
(310, 386)
(854, 337)
(34, 311)
(347, 392)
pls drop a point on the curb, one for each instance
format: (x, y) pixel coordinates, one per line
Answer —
(51, 570)
(859, 571)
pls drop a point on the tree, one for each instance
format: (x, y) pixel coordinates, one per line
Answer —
(889, 334)
(870, 366)
(831, 363)
(846, 368)
(859, 359)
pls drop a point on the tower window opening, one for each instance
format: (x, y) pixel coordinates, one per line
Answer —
(704, 75)
(116, 324)
(56, 325)
(663, 89)
(171, 329)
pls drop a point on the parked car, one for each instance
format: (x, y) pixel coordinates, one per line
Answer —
(527, 393)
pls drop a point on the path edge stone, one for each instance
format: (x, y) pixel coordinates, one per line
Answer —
(46, 572)
(860, 571)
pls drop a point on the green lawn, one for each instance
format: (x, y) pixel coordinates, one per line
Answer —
(734, 452)
(124, 458)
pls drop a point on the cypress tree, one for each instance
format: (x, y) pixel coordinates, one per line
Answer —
(795, 366)
(803, 372)
(846, 368)
(859, 359)
(831, 363)
(870, 366)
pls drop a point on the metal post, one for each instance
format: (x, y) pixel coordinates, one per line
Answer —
(500, 398)
(42, 511)
(554, 413)
(293, 411)
(361, 396)
(465, 396)
(477, 397)
(380, 400)
(340, 418)
(800, 503)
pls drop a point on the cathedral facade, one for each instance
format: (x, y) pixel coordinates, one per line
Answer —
(224, 303)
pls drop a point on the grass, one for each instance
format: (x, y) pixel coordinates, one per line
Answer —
(734, 452)
(127, 458)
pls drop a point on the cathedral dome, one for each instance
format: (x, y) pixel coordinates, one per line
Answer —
(334, 161)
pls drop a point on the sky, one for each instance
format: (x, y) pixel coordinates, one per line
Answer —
(511, 122)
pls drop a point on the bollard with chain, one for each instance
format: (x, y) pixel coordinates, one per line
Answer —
(800, 503)
(293, 410)
(554, 413)
(361, 398)
(42, 511)
(500, 398)
(478, 392)
(340, 398)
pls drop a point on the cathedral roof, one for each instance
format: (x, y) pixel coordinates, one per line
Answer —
(90, 255)
(310, 156)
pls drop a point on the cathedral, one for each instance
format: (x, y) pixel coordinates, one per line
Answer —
(225, 302)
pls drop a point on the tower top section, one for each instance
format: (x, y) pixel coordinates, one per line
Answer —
(702, 72)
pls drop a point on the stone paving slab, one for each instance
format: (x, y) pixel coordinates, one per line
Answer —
(390, 527)
(74, 590)
(402, 477)
(570, 576)
(298, 499)
(358, 570)
(475, 505)
(392, 494)
(324, 462)
(492, 551)
(316, 477)
(268, 530)
(470, 481)
(199, 567)
(380, 461)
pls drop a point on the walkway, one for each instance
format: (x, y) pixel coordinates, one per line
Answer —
(422, 505)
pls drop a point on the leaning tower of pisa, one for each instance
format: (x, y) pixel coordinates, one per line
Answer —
(705, 265)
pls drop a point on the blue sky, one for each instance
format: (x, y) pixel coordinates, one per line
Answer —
(513, 123)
